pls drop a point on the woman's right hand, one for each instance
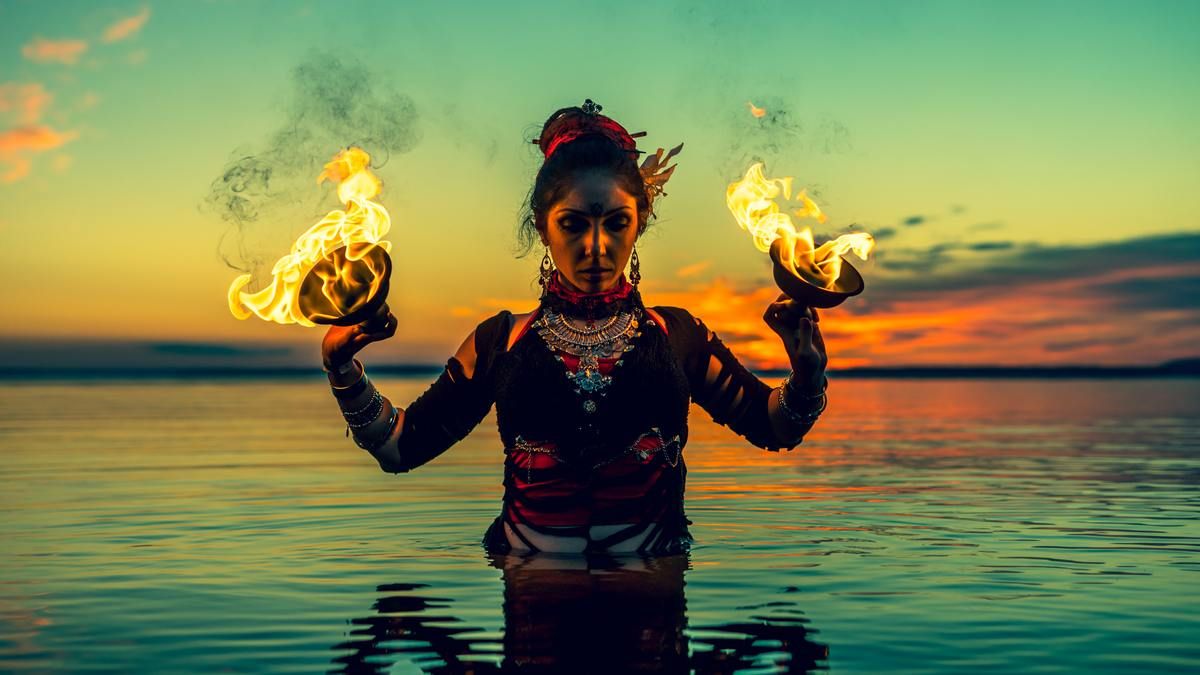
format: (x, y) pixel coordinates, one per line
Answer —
(341, 343)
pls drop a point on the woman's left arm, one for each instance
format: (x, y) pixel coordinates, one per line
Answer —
(736, 397)
(795, 406)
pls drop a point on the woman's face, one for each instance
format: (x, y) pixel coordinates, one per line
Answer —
(591, 231)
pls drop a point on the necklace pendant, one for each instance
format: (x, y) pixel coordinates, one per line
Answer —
(589, 381)
(589, 406)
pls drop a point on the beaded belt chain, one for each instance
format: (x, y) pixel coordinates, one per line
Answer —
(671, 450)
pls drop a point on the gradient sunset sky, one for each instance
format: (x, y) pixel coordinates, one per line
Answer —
(1030, 169)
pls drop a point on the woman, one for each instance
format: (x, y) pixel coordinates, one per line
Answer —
(592, 388)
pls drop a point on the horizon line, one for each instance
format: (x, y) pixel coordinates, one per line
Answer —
(1174, 368)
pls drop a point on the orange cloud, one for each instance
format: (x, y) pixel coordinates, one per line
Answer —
(693, 269)
(41, 50)
(17, 145)
(25, 102)
(127, 27)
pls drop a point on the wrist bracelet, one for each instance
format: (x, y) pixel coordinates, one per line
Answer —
(370, 445)
(352, 391)
(790, 386)
(367, 414)
(802, 418)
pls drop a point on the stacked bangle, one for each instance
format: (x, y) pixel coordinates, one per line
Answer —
(364, 416)
(372, 444)
(807, 409)
(368, 413)
(351, 391)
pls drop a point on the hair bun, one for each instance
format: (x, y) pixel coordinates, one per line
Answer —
(568, 124)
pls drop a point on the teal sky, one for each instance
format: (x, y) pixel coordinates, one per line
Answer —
(1055, 124)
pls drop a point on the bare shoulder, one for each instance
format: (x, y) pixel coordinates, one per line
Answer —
(520, 322)
(466, 355)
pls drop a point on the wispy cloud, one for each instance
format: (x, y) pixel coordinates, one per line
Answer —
(22, 106)
(693, 269)
(19, 144)
(41, 50)
(127, 27)
(24, 103)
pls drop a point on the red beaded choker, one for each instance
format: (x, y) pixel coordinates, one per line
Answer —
(604, 302)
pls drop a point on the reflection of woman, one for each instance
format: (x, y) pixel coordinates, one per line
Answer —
(562, 616)
(591, 388)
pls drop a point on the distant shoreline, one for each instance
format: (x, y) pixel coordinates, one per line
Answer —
(1186, 368)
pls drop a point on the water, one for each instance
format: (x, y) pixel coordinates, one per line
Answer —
(925, 526)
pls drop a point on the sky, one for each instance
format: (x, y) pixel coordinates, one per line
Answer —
(1028, 168)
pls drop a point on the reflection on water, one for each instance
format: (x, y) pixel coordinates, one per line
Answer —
(563, 615)
(932, 526)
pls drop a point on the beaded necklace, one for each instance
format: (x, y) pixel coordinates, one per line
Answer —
(598, 338)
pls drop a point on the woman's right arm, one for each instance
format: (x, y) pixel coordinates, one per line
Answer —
(402, 439)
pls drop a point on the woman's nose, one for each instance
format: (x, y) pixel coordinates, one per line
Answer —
(597, 242)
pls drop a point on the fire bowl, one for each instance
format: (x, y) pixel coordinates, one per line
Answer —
(849, 283)
(362, 288)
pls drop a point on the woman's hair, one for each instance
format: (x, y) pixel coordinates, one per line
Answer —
(553, 181)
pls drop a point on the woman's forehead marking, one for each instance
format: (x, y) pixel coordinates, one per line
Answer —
(596, 209)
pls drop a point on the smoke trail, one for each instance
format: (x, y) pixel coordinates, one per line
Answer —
(269, 194)
(780, 138)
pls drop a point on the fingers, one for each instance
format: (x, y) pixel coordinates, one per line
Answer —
(365, 333)
(781, 318)
(818, 339)
(786, 314)
(380, 331)
(807, 329)
(389, 328)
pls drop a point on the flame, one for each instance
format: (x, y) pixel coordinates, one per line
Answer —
(755, 110)
(343, 249)
(752, 202)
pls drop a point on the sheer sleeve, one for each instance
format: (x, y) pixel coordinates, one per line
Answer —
(453, 405)
(720, 384)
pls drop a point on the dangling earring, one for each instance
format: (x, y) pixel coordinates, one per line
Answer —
(635, 268)
(547, 269)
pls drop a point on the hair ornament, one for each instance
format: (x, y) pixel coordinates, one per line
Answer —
(656, 173)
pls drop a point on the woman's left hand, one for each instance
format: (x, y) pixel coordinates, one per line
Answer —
(797, 326)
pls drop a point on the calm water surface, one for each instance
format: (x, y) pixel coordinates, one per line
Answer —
(924, 526)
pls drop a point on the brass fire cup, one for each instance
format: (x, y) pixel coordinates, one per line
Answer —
(359, 290)
(849, 282)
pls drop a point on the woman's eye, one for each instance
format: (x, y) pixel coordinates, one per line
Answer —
(618, 224)
(572, 224)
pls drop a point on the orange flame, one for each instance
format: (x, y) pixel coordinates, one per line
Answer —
(333, 246)
(752, 202)
(755, 110)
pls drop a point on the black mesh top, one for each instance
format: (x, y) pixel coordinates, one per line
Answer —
(650, 392)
